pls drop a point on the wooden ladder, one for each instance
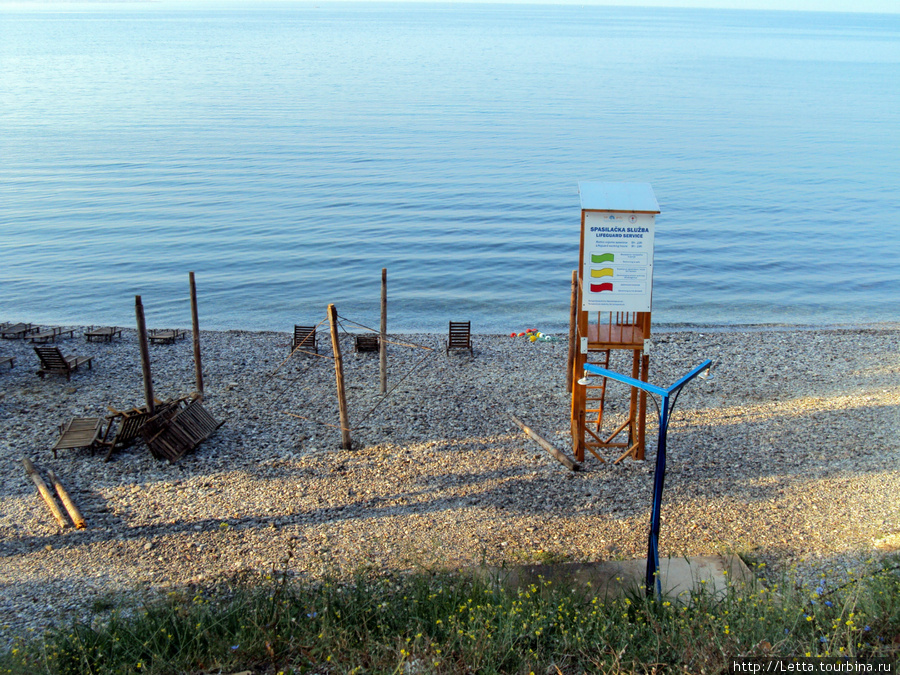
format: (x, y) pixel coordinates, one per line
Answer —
(595, 405)
(598, 398)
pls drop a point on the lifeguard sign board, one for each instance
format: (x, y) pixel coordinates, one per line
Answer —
(617, 223)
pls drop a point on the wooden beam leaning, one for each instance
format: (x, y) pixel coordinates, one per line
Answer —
(382, 343)
(346, 443)
(66, 500)
(195, 325)
(557, 454)
(145, 353)
(44, 491)
(573, 329)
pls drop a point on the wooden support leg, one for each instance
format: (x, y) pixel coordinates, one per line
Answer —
(642, 409)
(578, 437)
(633, 400)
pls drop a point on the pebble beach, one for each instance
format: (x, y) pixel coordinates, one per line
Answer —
(788, 456)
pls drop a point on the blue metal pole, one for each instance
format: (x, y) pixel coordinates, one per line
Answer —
(652, 579)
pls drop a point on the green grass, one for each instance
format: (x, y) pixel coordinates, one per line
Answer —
(451, 623)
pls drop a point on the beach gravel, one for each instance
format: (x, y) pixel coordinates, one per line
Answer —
(788, 456)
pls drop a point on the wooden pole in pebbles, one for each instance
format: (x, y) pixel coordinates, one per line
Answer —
(45, 492)
(73, 511)
(573, 319)
(382, 344)
(339, 375)
(195, 324)
(559, 456)
(145, 353)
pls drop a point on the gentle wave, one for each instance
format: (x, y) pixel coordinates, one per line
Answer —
(287, 153)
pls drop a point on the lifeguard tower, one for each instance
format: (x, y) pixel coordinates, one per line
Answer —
(614, 292)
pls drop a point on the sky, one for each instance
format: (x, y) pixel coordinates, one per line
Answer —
(880, 6)
(868, 6)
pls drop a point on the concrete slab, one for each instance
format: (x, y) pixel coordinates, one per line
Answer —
(615, 578)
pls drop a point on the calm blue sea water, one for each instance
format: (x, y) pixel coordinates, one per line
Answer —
(286, 152)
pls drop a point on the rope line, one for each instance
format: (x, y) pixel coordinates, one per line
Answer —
(304, 351)
(359, 324)
(340, 323)
(341, 326)
(326, 424)
(391, 342)
(297, 376)
(385, 397)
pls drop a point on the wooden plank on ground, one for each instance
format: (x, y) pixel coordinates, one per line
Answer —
(44, 491)
(64, 497)
(557, 454)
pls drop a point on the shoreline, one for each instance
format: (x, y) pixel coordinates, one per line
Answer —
(557, 330)
(776, 327)
(789, 456)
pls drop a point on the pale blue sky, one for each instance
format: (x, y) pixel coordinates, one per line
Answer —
(884, 6)
(876, 6)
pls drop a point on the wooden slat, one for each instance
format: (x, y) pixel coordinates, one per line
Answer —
(612, 336)
(17, 331)
(79, 432)
(367, 343)
(43, 336)
(305, 337)
(80, 361)
(128, 429)
(166, 336)
(103, 333)
(170, 436)
(53, 361)
(460, 336)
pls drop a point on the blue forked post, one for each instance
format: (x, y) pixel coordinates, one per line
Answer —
(659, 475)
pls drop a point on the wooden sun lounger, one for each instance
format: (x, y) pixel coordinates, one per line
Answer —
(128, 427)
(17, 331)
(80, 432)
(367, 343)
(304, 339)
(102, 333)
(87, 432)
(166, 336)
(53, 361)
(50, 334)
(460, 336)
(178, 430)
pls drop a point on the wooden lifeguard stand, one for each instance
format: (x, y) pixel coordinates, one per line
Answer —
(614, 293)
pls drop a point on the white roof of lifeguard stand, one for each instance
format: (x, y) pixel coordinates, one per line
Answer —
(633, 197)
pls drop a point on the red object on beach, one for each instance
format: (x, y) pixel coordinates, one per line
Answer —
(520, 334)
(512, 335)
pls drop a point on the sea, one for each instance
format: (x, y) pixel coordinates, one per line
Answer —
(288, 152)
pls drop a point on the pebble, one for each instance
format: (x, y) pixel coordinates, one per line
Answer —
(788, 456)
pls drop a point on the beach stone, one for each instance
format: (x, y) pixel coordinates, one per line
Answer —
(789, 457)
